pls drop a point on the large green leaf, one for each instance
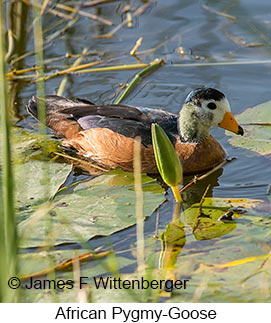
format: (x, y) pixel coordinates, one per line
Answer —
(36, 182)
(256, 137)
(98, 207)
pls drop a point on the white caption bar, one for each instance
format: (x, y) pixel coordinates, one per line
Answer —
(136, 312)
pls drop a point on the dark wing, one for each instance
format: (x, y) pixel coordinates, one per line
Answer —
(126, 120)
(126, 127)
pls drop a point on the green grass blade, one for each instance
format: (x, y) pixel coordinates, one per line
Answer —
(7, 221)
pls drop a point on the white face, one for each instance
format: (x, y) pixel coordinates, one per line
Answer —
(212, 112)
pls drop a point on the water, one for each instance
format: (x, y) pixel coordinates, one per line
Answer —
(198, 31)
(205, 37)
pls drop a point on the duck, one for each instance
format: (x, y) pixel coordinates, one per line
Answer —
(106, 133)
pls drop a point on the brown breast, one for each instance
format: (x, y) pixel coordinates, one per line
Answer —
(115, 150)
(199, 157)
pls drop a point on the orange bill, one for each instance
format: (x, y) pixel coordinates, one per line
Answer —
(229, 123)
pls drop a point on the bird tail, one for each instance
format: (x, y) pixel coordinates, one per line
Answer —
(53, 104)
(32, 107)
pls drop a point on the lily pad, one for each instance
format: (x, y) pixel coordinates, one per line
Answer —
(35, 182)
(27, 144)
(256, 137)
(97, 207)
(209, 225)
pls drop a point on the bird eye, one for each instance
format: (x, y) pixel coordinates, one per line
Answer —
(211, 106)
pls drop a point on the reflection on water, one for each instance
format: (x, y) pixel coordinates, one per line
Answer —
(194, 193)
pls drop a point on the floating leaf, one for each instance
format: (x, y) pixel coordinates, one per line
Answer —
(256, 137)
(97, 207)
(32, 187)
(26, 144)
(211, 210)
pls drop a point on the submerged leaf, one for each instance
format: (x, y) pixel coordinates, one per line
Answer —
(67, 265)
(257, 129)
(30, 263)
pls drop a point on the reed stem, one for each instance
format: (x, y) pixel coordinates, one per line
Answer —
(38, 40)
(149, 69)
(8, 246)
(176, 193)
(139, 207)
